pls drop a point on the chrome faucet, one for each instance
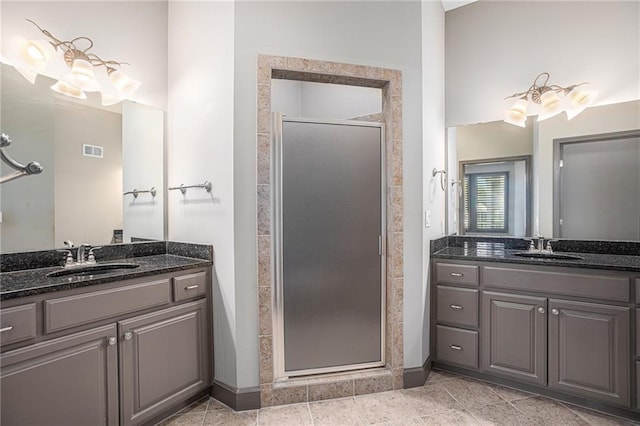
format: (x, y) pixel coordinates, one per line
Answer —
(540, 244)
(80, 255)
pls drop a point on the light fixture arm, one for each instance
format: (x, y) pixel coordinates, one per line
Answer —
(535, 91)
(72, 52)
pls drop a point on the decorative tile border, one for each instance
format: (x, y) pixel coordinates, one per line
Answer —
(350, 383)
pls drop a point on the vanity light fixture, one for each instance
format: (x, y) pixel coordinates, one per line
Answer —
(552, 100)
(33, 57)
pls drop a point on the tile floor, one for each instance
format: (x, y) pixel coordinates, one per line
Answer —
(445, 399)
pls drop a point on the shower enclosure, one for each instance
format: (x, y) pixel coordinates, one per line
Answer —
(329, 229)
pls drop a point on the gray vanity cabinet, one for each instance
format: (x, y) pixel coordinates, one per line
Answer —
(514, 336)
(589, 350)
(163, 359)
(70, 380)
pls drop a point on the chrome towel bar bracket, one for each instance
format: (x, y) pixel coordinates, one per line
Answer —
(183, 188)
(136, 192)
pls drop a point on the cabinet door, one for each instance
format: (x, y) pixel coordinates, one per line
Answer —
(164, 359)
(513, 336)
(72, 380)
(589, 350)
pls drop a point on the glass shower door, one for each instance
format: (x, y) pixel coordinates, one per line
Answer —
(330, 230)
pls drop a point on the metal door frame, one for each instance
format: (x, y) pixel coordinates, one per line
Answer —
(279, 372)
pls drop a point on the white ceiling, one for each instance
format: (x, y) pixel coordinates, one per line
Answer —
(453, 4)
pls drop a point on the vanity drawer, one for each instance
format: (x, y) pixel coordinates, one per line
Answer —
(457, 346)
(597, 285)
(638, 291)
(189, 286)
(457, 306)
(18, 323)
(71, 311)
(453, 273)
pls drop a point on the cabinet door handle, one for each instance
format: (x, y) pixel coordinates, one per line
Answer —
(456, 347)
(128, 336)
(8, 328)
(554, 311)
(191, 287)
(456, 307)
(112, 341)
(457, 274)
(541, 310)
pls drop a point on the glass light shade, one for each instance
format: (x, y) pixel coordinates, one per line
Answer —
(125, 85)
(517, 114)
(67, 89)
(579, 100)
(30, 56)
(82, 76)
(551, 105)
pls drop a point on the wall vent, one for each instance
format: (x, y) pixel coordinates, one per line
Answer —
(92, 151)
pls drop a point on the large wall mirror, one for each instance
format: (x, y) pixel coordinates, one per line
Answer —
(577, 179)
(91, 155)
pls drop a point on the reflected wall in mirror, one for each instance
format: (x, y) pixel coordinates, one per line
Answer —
(487, 142)
(79, 194)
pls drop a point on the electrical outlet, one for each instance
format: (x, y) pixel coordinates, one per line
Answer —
(427, 218)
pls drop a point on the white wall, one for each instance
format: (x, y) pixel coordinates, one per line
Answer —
(201, 140)
(127, 31)
(386, 34)
(142, 169)
(603, 119)
(321, 100)
(497, 48)
(433, 198)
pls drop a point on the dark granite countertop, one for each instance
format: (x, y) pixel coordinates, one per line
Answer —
(617, 256)
(25, 274)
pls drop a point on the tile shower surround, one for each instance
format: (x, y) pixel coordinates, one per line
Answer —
(349, 383)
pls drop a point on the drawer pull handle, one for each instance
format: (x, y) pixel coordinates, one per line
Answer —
(554, 311)
(457, 274)
(456, 347)
(128, 336)
(3, 329)
(191, 287)
(456, 307)
(541, 310)
(112, 341)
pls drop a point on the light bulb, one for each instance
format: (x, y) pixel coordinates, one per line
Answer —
(551, 105)
(517, 114)
(67, 89)
(30, 57)
(125, 85)
(579, 100)
(82, 76)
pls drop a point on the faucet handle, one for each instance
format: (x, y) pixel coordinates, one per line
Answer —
(68, 257)
(549, 248)
(91, 258)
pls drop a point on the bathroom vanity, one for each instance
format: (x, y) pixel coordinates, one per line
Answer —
(125, 346)
(566, 328)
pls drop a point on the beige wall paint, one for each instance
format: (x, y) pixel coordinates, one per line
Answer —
(493, 140)
(87, 191)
